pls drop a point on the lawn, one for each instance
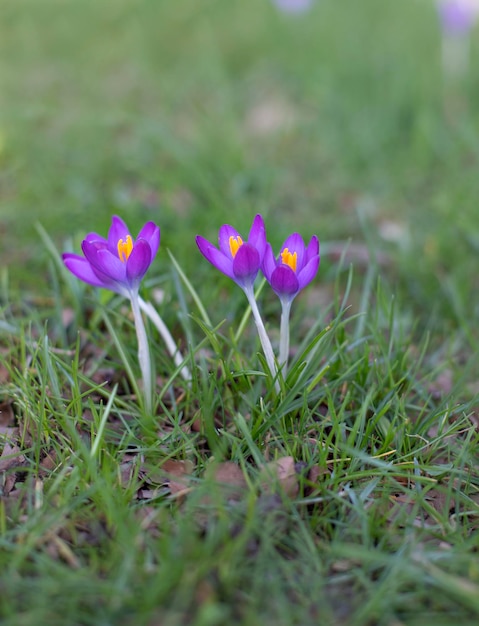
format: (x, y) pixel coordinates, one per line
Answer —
(346, 491)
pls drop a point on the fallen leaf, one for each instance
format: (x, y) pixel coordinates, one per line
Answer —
(9, 482)
(442, 386)
(126, 470)
(11, 457)
(230, 476)
(282, 473)
(49, 463)
(173, 473)
(314, 479)
(227, 473)
(7, 417)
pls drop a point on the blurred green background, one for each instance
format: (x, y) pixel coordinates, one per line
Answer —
(193, 113)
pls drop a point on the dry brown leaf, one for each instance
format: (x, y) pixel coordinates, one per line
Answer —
(148, 518)
(314, 479)
(474, 418)
(7, 417)
(177, 468)
(197, 425)
(442, 386)
(230, 476)
(11, 457)
(49, 462)
(176, 474)
(227, 473)
(8, 434)
(280, 472)
(8, 484)
(150, 494)
(440, 501)
(126, 470)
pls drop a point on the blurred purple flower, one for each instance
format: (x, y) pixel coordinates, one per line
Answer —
(458, 16)
(293, 6)
(117, 263)
(294, 268)
(239, 260)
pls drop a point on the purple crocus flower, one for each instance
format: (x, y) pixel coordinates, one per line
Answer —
(238, 259)
(293, 6)
(458, 16)
(294, 268)
(241, 261)
(119, 262)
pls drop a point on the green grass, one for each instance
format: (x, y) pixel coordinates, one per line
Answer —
(352, 496)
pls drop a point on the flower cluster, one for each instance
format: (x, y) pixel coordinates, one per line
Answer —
(295, 267)
(119, 263)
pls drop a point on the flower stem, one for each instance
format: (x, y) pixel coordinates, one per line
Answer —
(143, 351)
(284, 335)
(150, 310)
(263, 336)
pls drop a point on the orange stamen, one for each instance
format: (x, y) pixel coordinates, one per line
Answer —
(235, 245)
(124, 248)
(289, 259)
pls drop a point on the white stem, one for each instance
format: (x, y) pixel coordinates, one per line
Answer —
(263, 336)
(150, 310)
(455, 55)
(143, 351)
(284, 335)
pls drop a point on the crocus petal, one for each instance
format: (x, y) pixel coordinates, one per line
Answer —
(90, 249)
(269, 262)
(284, 281)
(110, 265)
(98, 239)
(295, 243)
(118, 230)
(151, 233)
(106, 265)
(93, 276)
(246, 264)
(138, 262)
(226, 231)
(308, 272)
(80, 268)
(257, 235)
(215, 257)
(312, 250)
